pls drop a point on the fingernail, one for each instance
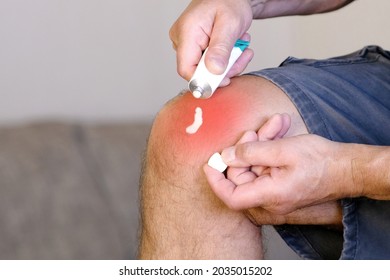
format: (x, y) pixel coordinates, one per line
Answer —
(229, 155)
(217, 65)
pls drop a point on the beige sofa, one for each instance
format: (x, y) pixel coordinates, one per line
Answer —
(70, 191)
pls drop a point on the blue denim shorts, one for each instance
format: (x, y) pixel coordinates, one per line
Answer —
(345, 99)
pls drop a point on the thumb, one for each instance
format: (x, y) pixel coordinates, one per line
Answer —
(254, 153)
(221, 44)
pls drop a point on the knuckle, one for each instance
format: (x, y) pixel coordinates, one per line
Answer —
(220, 48)
(171, 33)
(182, 71)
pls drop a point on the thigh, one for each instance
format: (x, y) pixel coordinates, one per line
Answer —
(344, 99)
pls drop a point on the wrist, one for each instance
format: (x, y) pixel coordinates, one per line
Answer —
(257, 7)
(275, 8)
(371, 169)
(364, 171)
(262, 9)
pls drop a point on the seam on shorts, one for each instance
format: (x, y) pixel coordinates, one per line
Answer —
(368, 54)
(343, 61)
(349, 212)
(356, 233)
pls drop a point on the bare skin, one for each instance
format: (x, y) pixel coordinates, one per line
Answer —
(288, 174)
(217, 24)
(182, 211)
(181, 216)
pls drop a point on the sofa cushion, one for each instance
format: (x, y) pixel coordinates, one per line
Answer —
(70, 191)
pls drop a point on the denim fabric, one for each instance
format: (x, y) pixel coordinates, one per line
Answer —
(345, 99)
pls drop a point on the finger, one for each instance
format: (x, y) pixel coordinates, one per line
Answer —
(241, 63)
(217, 181)
(260, 170)
(260, 216)
(189, 41)
(225, 82)
(240, 175)
(222, 40)
(246, 37)
(225, 190)
(263, 192)
(248, 136)
(237, 68)
(244, 59)
(275, 127)
(188, 55)
(285, 126)
(244, 196)
(269, 153)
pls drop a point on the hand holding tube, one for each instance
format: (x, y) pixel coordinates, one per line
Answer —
(215, 24)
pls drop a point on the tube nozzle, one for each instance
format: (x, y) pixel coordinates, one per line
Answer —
(197, 93)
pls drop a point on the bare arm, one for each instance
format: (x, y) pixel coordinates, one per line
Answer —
(370, 167)
(276, 8)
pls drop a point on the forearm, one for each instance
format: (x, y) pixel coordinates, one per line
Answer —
(370, 168)
(276, 8)
(328, 213)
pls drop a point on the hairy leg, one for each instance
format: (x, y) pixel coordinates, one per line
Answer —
(181, 217)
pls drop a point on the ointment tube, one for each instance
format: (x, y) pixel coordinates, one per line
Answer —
(203, 83)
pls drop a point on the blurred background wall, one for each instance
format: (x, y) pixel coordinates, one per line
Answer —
(95, 60)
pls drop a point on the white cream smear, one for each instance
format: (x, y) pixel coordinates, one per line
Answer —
(198, 121)
(217, 163)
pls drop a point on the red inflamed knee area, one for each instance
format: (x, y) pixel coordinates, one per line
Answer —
(243, 105)
(222, 117)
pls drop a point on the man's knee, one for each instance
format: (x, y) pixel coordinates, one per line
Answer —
(175, 195)
(216, 122)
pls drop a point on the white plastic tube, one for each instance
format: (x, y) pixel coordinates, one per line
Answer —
(203, 83)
